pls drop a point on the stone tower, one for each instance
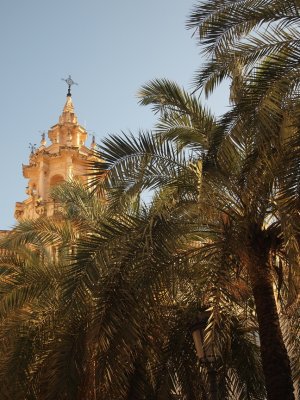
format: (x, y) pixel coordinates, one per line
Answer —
(63, 159)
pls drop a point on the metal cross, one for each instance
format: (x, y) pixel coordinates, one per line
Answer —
(32, 148)
(69, 81)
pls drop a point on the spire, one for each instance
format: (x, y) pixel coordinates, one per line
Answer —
(69, 107)
(68, 114)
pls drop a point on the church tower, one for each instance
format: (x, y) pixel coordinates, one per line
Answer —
(63, 159)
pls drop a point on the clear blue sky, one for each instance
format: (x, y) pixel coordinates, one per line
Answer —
(109, 47)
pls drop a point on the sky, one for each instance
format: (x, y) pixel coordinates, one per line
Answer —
(110, 48)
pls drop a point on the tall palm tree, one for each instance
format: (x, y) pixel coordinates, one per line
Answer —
(256, 45)
(230, 162)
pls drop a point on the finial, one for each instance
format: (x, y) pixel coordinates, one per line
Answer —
(69, 81)
(32, 147)
(93, 144)
(43, 140)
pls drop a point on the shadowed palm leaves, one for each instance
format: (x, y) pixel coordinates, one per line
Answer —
(115, 322)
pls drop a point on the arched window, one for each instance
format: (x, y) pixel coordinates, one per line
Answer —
(56, 179)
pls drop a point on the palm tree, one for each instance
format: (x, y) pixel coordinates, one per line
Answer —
(110, 316)
(231, 163)
(256, 45)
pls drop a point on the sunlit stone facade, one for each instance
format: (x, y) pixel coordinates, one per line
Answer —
(63, 159)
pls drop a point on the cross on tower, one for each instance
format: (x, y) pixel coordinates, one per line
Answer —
(69, 81)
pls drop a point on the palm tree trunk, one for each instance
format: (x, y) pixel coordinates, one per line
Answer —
(275, 360)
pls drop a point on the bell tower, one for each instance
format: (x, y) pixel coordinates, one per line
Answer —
(63, 159)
